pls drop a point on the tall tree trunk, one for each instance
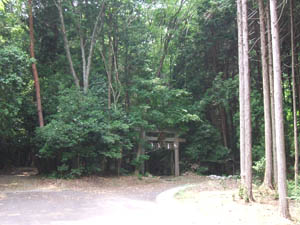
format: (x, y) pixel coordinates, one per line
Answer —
(279, 125)
(34, 69)
(108, 68)
(86, 58)
(266, 92)
(66, 42)
(168, 37)
(96, 29)
(271, 81)
(247, 105)
(294, 92)
(164, 54)
(127, 75)
(241, 92)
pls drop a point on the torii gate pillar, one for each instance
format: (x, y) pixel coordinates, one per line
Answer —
(176, 158)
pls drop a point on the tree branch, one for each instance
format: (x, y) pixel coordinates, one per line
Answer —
(66, 42)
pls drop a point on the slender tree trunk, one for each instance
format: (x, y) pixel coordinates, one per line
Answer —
(109, 79)
(271, 81)
(34, 69)
(266, 92)
(164, 54)
(127, 75)
(86, 58)
(167, 38)
(140, 151)
(118, 164)
(83, 58)
(241, 92)
(96, 29)
(66, 42)
(224, 125)
(108, 67)
(247, 105)
(294, 92)
(279, 125)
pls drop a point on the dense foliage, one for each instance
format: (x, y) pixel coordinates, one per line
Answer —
(155, 65)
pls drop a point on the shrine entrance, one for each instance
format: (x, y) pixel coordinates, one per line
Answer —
(168, 141)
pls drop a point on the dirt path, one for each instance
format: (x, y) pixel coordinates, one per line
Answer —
(31, 200)
(74, 207)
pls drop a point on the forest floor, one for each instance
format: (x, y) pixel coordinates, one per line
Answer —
(26, 199)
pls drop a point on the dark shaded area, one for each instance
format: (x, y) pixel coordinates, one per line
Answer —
(161, 162)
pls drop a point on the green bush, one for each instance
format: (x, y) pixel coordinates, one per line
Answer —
(293, 191)
(137, 162)
(205, 145)
(201, 170)
(83, 132)
(259, 168)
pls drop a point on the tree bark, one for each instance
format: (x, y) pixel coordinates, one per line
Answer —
(271, 81)
(34, 69)
(279, 125)
(266, 93)
(92, 44)
(164, 54)
(294, 93)
(224, 125)
(170, 31)
(241, 91)
(247, 105)
(176, 156)
(140, 151)
(66, 42)
(86, 61)
(108, 68)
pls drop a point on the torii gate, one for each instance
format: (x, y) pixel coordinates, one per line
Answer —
(160, 139)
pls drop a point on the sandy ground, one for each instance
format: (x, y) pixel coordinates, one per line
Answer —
(218, 202)
(26, 199)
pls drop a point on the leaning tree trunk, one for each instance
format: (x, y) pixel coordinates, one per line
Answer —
(266, 93)
(247, 105)
(279, 125)
(34, 69)
(294, 93)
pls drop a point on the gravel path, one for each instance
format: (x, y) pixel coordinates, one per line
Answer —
(26, 200)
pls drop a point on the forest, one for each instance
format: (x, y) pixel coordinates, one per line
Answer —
(82, 80)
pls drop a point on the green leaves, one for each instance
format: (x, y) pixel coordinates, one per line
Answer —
(13, 80)
(197, 44)
(83, 128)
(205, 145)
(161, 105)
(2, 4)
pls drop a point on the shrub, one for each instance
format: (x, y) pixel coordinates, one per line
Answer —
(293, 191)
(81, 133)
(259, 168)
